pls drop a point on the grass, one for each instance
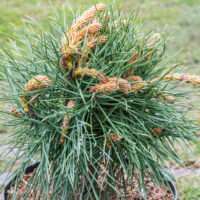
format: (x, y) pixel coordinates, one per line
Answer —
(178, 18)
(188, 188)
(181, 18)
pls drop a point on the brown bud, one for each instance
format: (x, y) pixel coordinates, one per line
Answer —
(38, 82)
(156, 131)
(114, 138)
(15, 113)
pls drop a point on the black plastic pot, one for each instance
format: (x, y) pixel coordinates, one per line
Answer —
(28, 170)
(32, 167)
(173, 188)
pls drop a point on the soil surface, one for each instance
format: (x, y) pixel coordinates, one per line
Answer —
(155, 192)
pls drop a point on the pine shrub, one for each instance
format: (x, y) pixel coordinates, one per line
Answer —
(94, 99)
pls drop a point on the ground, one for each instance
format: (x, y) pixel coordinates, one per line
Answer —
(178, 18)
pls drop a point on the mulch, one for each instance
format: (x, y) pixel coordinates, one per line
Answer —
(154, 192)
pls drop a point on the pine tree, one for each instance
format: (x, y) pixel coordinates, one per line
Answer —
(95, 101)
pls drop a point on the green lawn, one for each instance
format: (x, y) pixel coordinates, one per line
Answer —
(180, 19)
(188, 188)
